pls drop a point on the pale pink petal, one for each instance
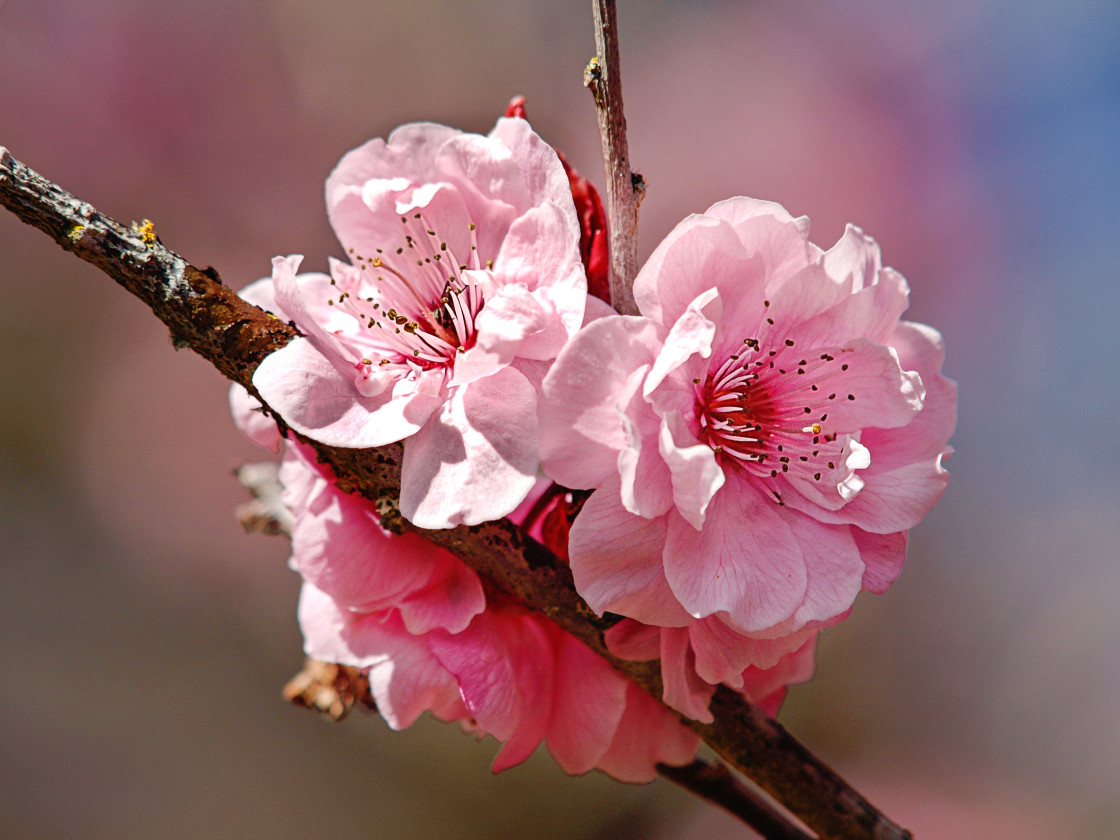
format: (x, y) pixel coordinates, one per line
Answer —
(767, 229)
(700, 252)
(746, 562)
(339, 547)
(895, 499)
(588, 701)
(476, 459)
(833, 567)
(543, 174)
(581, 432)
(408, 156)
(646, 482)
(691, 335)
(510, 315)
(920, 349)
(648, 735)
(542, 249)
(616, 560)
(450, 598)
(870, 387)
(696, 475)
(250, 418)
(289, 288)
(302, 477)
(854, 261)
(810, 309)
(317, 400)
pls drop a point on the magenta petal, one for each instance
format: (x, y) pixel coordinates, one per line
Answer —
(746, 562)
(476, 459)
(616, 560)
(633, 640)
(504, 663)
(684, 690)
(588, 703)
(648, 735)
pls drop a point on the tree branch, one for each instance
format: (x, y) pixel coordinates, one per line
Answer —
(235, 336)
(625, 189)
(718, 785)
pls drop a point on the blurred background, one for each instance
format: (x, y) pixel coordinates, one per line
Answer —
(144, 639)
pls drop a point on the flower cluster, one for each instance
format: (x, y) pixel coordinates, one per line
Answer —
(757, 442)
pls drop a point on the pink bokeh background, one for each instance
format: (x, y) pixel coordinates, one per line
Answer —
(144, 639)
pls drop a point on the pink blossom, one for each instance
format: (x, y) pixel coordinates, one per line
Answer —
(759, 440)
(339, 546)
(464, 281)
(510, 674)
(416, 619)
(697, 658)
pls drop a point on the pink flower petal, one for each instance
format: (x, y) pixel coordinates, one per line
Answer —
(616, 561)
(648, 735)
(696, 475)
(504, 664)
(701, 252)
(746, 562)
(250, 418)
(405, 679)
(581, 432)
(883, 556)
(588, 702)
(476, 459)
(315, 399)
(767, 229)
(723, 654)
(633, 640)
(685, 691)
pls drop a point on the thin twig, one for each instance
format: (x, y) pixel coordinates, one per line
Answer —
(625, 189)
(718, 785)
(235, 336)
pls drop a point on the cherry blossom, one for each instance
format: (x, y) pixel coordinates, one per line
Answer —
(464, 281)
(759, 440)
(415, 618)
